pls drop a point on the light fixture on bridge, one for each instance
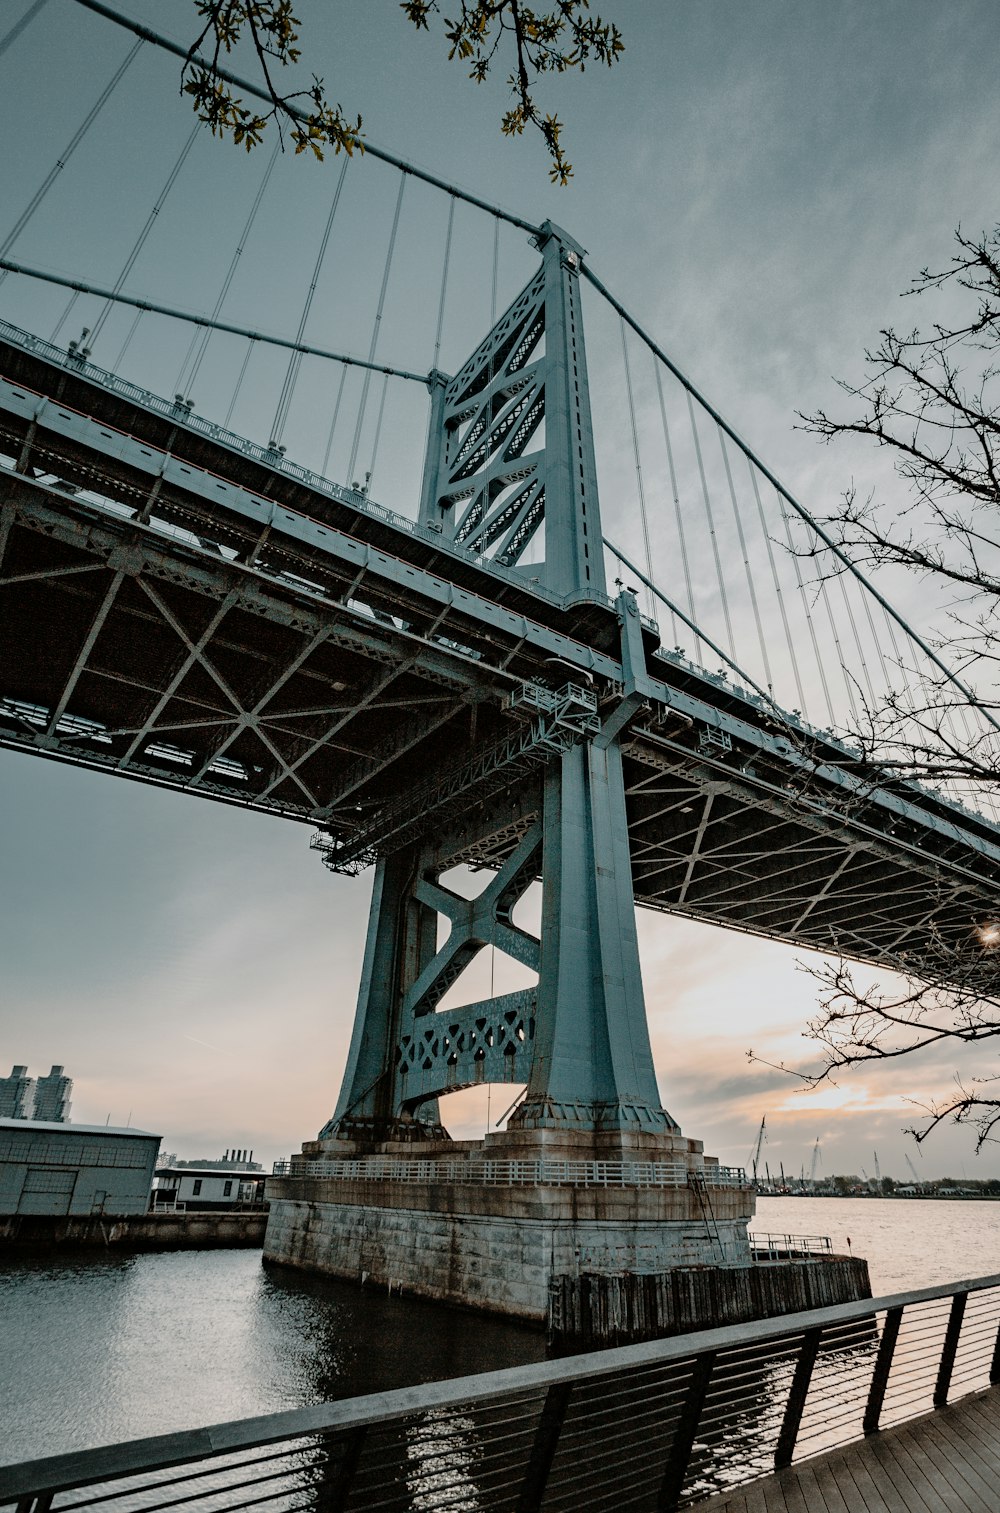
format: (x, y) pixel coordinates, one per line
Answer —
(989, 933)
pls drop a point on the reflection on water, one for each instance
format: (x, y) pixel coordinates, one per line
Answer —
(99, 1348)
(443, 1451)
(103, 1348)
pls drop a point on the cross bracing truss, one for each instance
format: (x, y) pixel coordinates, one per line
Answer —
(172, 612)
(510, 446)
(490, 413)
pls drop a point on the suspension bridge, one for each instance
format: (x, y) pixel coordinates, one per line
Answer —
(462, 652)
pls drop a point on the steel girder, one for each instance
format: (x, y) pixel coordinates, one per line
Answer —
(173, 614)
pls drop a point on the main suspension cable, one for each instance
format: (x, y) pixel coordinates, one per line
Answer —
(828, 541)
(83, 287)
(248, 87)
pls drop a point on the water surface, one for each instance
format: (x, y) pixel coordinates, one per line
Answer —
(100, 1348)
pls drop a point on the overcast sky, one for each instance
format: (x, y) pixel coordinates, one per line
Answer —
(757, 183)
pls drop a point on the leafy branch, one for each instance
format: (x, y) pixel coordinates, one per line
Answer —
(552, 41)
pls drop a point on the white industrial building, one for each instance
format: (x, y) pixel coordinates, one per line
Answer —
(207, 1187)
(74, 1169)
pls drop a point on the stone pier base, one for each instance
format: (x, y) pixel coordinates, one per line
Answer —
(499, 1247)
(502, 1263)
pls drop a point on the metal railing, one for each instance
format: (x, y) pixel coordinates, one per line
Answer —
(786, 1247)
(656, 1426)
(485, 1173)
(271, 457)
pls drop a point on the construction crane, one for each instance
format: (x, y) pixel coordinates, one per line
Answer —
(755, 1156)
(878, 1170)
(913, 1169)
(815, 1164)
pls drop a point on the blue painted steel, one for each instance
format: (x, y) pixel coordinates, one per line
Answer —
(482, 486)
(580, 1041)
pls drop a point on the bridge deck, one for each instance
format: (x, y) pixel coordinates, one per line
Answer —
(946, 1462)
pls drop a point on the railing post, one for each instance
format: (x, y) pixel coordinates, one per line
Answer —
(995, 1363)
(785, 1448)
(332, 1496)
(684, 1435)
(883, 1365)
(949, 1348)
(543, 1449)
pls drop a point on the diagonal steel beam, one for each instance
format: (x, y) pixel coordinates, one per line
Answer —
(53, 572)
(194, 656)
(305, 652)
(96, 626)
(389, 751)
(7, 515)
(197, 655)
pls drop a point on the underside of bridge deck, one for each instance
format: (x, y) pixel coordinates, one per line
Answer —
(308, 660)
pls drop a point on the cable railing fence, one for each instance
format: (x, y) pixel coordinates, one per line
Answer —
(486, 1173)
(656, 1426)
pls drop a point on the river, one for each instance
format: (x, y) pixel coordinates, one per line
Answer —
(100, 1348)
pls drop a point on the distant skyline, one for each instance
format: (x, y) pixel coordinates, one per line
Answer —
(759, 185)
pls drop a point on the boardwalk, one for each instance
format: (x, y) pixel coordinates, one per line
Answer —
(946, 1462)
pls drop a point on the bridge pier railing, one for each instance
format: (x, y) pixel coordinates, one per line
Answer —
(660, 1425)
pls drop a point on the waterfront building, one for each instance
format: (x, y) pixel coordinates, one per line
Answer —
(52, 1096)
(207, 1187)
(17, 1094)
(51, 1168)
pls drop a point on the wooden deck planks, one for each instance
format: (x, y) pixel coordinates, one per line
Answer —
(943, 1462)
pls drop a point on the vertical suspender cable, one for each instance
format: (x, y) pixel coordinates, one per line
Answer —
(66, 154)
(333, 422)
(19, 26)
(776, 581)
(824, 594)
(200, 340)
(375, 331)
(638, 476)
(711, 529)
(378, 432)
(808, 612)
(496, 266)
(741, 536)
(64, 317)
(295, 361)
(857, 639)
(239, 382)
(128, 341)
(675, 494)
(444, 282)
(144, 233)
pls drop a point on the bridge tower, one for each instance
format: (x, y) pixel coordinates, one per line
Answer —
(503, 1223)
(510, 463)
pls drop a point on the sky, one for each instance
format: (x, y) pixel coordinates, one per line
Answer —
(758, 184)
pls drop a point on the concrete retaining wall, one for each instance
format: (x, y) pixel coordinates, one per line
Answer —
(188, 1231)
(447, 1244)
